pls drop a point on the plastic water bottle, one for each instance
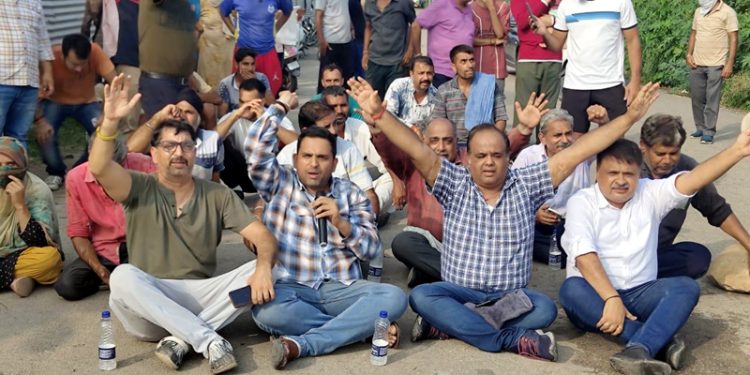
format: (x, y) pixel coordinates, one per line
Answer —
(555, 255)
(379, 353)
(107, 360)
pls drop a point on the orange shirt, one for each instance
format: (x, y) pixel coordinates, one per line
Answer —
(78, 88)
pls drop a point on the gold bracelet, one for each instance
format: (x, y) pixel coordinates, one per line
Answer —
(105, 138)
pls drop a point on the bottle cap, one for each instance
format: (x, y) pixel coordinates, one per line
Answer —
(383, 314)
(105, 314)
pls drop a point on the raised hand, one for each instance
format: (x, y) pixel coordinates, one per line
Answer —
(630, 91)
(597, 114)
(743, 142)
(366, 97)
(530, 115)
(643, 101)
(117, 103)
(289, 98)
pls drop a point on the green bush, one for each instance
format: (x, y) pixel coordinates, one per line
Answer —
(665, 26)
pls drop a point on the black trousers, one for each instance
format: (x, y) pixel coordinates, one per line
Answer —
(413, 250)
(577, 101)
(78, 281)
(235, 169)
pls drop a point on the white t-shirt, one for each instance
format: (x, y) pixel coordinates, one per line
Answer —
(595, 44)
(350, 166)
(625, 239)
(238, 132)
(337, 25)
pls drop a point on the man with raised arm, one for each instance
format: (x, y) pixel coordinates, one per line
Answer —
(174, 224)
(488, 230)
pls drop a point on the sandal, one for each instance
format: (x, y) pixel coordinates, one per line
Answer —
(394, 330)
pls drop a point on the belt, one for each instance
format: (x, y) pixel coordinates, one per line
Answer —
(169, 77)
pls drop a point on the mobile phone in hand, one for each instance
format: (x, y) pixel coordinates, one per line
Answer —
(550, 209)
(534, 22)
(240, 297)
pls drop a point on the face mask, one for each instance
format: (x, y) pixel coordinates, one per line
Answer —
(10, 170)
(706, 6)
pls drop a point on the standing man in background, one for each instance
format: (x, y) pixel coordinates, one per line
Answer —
(334, 27)
(712, 49)
(25, 65)
(386, 51)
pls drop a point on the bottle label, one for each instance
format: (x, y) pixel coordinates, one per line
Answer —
(106, 353)
(379, 351)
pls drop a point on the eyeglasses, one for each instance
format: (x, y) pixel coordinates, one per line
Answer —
(171, 146)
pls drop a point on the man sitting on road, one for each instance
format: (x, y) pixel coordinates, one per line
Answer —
(322, 303)
(611, 235)
(662, 137)
(96, 227)
(332, 76)
(229, 87)
(488, 230)
(174, 224)
(412, 98)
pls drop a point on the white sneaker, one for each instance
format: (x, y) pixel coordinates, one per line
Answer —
(221, 356)
(171, 350)
(54, 182)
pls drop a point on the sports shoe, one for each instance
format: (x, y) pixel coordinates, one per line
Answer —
(635, 360)
(221, 356)
(171, 350)
(696, 134)
(54, 182)
(538, 345)
(707, 139)
(422, 330)
(283, 351)
(674, 351)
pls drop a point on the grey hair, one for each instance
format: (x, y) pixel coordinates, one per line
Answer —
(120, 152)
(555, 115)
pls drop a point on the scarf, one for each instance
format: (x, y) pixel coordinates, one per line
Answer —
(706, 6)
(38, 200)
(480, 107)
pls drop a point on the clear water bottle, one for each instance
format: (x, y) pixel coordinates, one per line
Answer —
(107, 360)
(555, 255)
(379, 353)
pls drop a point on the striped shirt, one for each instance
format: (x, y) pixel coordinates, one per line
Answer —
(209, 154)
(450, 103)
(24, 42)
(290, 218)
(487, 247)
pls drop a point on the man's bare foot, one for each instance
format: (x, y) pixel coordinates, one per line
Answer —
(22, 286)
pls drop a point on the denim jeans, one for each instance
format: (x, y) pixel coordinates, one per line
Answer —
(334, 315)
(17, 107)
(55, 114)
(662, 307)
(686, 258)
(442, 305)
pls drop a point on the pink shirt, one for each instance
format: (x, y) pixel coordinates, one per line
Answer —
(447, 26)
(93, 214)
(490, 59)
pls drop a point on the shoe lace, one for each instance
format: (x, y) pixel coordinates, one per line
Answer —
(217, 350)
(529, 347)
(435, 333)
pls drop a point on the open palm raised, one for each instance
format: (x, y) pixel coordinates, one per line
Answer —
(366, 97)
(117, 104)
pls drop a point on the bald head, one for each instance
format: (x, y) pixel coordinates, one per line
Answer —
(440, 135)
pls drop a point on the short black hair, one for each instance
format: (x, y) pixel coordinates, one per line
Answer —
(622, 150)
(333, 91)
(241, 53)
(329, 67)
(311, 112)
(253, 84)
(664, 130)
(426, 60)
(78, 43)
(179, 126)
(488, 127)
(316, 132)
(461, 48)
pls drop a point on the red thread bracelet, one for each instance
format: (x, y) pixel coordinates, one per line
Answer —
(379, 115)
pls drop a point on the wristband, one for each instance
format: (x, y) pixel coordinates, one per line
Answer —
(283, 105)
(105, 138)
(378, 116)
(610, 297)
(148, 125)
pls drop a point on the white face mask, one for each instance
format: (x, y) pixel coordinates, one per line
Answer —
(706, 6)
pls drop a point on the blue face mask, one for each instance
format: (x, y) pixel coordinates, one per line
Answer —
(10, 170)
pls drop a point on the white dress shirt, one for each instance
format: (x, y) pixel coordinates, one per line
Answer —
(624, 239)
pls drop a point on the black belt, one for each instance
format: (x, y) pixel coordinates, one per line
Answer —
(169, 77)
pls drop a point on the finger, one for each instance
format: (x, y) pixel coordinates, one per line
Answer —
(271, 294)
(532, 97)
(539, 99)
(14, 178)
(134, 100)
(517, 105)
(618, 331)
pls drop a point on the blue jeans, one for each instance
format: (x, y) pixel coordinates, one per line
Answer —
(55, 114)
(662, 307)
(334, 315)
(442, 305)
(17, 107)
(686, 258)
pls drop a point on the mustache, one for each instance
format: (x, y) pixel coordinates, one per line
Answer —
(178, 159)
(621, 186)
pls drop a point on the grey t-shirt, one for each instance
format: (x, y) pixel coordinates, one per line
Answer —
(179, 247)
(390, 28)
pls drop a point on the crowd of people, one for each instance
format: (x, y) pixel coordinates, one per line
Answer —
(193, 115)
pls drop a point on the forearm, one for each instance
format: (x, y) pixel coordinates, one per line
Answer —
(497, 27)
(344, 227)
(368, 35)
(416, 38)
(732, 48)
(264, 242)
(425, 160)
(518, 137)
(733, 227)
(45, 67)
(225, 126)
(281, 21)
(319, 25)
(635, 57)
(141, 138)
(85, 250)
(100, 155)
(593, 272)
(478, 42)
(691, 43)
(287, 136)
(228, 22)
(708, 171)
(24, 215)
(374, 201)
(554, 39)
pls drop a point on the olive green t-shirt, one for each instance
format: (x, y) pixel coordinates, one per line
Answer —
(167, 41)
(184, 247)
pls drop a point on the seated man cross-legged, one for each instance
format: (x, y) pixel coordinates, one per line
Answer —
(488, 230)
(611, 236)
(174, 224)
(322, 303)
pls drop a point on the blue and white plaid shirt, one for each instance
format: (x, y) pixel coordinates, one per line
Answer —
(489, 248)
(290, 218)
